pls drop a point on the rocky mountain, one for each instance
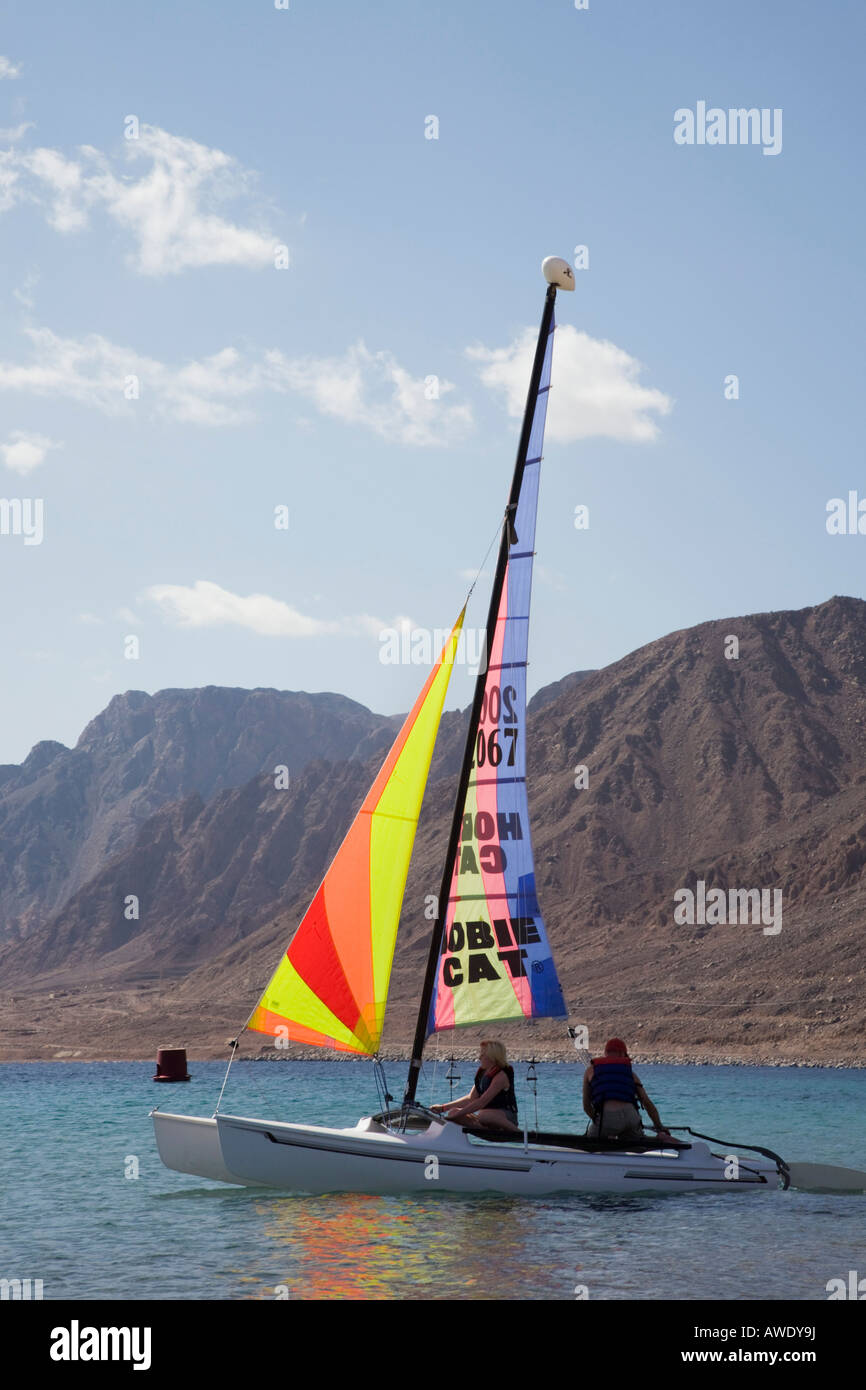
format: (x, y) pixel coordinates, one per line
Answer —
(549, 693)
(207, 873)
(65, 812)
(731, 754)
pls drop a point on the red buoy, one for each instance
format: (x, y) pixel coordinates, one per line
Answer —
(171, 1064)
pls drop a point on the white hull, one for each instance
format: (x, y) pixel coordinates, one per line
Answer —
(372, 1159)
(191, 1145)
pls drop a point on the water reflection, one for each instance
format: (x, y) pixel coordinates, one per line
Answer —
(365, 1247)
(356, 1246)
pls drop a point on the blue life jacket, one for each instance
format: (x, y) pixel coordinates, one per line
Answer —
(612, 1079)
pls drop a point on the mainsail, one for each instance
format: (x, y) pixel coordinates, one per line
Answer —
(331, 986)
(495, 961)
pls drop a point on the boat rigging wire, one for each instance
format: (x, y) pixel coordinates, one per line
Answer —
(532, 1083)
(435, 1069)
(494, 538)
(452, 1076)
(234, 1045)
(382, 1091)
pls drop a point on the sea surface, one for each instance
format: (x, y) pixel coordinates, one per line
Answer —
(75, 1215)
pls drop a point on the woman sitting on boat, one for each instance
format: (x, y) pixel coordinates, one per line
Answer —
(492, 1100)
(611, 1091)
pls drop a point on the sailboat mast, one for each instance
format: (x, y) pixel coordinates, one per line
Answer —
(475, 714)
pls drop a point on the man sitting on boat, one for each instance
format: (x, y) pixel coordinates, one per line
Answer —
(611, 1092)
(492, 1100)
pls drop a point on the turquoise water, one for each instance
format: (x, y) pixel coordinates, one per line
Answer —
(72, 1218)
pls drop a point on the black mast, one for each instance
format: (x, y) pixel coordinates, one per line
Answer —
(508, 538)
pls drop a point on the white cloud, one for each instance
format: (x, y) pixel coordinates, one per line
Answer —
(98, 373)
(594, 391)
(67, 212)
(205, 604)
(364, 624)
(171, 210)
(10, 134)
(372, 389)
(90, 371)
(8, 68)
(8, 182)
(24, 451)
(23, 292)
(123, 615)
(362, 388)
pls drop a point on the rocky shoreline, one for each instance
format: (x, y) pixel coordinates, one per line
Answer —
(645, 1059)
(560, 1056)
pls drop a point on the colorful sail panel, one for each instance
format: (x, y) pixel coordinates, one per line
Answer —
(331, 986)
(495, 961)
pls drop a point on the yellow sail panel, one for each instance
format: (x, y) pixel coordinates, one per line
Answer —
(396, 819)
(332, 982)
(288, 998)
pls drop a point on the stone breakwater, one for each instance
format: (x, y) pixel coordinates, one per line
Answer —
(564, 1056)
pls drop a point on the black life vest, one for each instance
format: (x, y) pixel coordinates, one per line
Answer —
(504, 1099)
(612, 1079)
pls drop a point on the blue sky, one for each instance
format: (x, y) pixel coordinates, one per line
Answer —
(153, 258)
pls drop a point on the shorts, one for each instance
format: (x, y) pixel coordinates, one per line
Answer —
(621, 1123)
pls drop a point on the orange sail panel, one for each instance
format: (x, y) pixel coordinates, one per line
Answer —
(331, 986)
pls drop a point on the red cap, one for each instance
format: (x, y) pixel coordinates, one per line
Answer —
(616, 1045)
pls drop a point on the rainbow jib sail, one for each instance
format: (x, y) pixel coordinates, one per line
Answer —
(331, 986)
(495, 962)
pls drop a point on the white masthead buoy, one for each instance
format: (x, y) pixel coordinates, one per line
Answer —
(558, 272)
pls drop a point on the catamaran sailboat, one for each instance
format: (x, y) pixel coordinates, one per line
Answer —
(489, 957)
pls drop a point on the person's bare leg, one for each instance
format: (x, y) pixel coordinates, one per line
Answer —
(468, 1121)
(495, 1119)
